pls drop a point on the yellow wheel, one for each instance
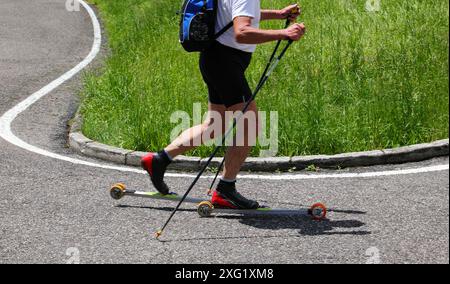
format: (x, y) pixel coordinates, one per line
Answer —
(117, 191)
(205, 209)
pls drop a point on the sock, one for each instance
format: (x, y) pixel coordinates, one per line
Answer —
(167, 155)
(226, 185)
(228, 181)
(164, 158)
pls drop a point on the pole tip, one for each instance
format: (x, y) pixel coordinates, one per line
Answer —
(158, 234)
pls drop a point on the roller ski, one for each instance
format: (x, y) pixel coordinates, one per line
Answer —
(317, 212)
(119, 191)
(213, 207)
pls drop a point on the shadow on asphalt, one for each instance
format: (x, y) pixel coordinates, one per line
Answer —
(355, 212)
(303, 224)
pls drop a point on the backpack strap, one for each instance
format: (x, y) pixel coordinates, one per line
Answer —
(224, 30)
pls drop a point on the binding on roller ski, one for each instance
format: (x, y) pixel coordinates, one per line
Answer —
(197, 33)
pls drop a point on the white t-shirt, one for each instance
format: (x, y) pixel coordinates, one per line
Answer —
(230, 9)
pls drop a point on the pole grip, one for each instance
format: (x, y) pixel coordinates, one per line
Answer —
(294, 10)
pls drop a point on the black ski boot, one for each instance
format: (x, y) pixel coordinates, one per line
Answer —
(156, 165)
(226, 196)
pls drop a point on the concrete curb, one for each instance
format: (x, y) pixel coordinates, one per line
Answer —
(414, 153)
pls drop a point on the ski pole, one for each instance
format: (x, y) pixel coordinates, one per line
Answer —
(274, 52)
(288, 22)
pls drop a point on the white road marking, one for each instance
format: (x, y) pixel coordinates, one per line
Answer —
(351, 175)
(7, 119)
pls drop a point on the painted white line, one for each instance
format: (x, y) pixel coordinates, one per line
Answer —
(351, 175)
(7, 119)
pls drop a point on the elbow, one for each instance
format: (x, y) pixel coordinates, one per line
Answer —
(241, 36)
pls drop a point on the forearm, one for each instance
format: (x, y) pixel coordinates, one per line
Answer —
(251, 35)
(271, 15)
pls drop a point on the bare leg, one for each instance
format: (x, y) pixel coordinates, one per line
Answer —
(156, 164)
(236, 155)
(226, 194)
(187, 140)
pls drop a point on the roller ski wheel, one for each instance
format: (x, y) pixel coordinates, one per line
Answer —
(205, 209)
(318, 211)
(117, 191)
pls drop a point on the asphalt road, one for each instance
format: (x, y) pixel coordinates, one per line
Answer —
(53, 211)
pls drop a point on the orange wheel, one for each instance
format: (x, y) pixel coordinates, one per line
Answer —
(318, 211)
(117, 191)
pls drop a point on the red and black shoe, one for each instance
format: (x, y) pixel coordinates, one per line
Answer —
(156, 164)
(226, 196)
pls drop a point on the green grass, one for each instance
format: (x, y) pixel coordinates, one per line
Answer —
(357, 81)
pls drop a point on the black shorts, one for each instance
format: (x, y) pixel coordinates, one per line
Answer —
(223, 70)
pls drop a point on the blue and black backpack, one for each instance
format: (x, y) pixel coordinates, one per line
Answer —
(198, 24)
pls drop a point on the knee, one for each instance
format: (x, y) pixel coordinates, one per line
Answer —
(252, 122)
(207, 124)
(213, 128)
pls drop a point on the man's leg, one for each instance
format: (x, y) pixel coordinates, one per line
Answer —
(226, 194)
(236, 155)
(187, 140)
(156, 163)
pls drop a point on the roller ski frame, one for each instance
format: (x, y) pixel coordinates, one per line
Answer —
(318, 211)
(119, 191)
